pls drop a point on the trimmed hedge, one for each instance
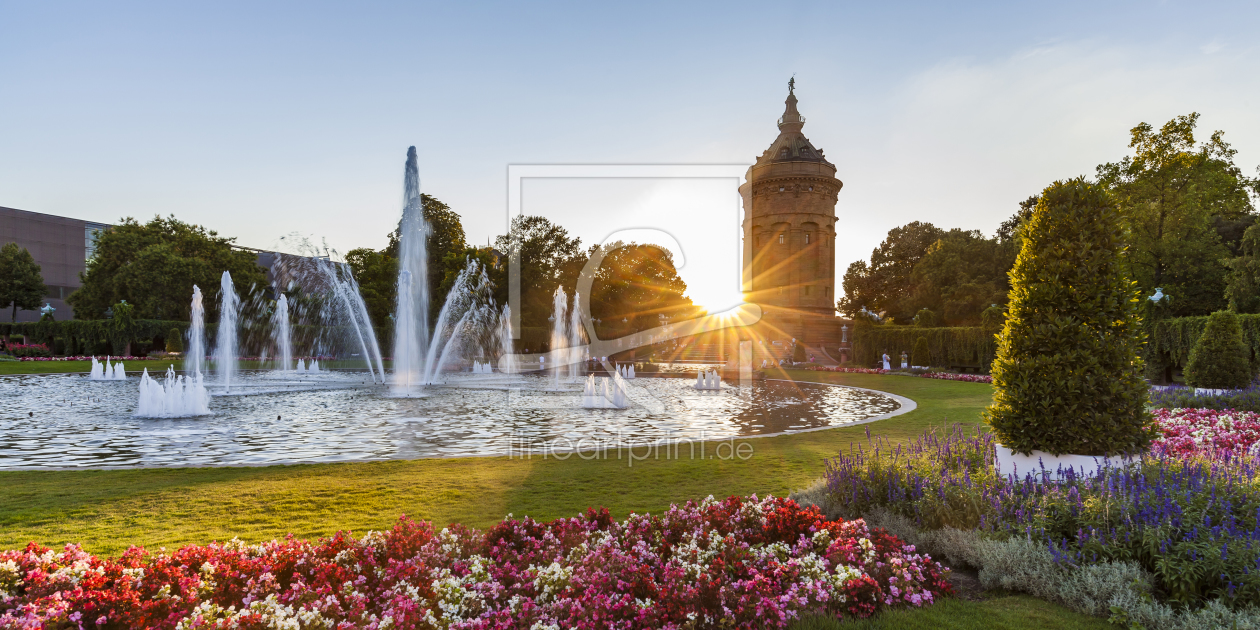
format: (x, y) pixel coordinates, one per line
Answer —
(946, 346)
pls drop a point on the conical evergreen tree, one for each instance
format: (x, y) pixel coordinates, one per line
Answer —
(1067, 377)
(920, 356)
(1220, 358)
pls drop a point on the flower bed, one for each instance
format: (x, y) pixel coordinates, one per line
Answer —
(749, 563)
(27, 351)
(945, 376)
(953, 376)
(848, 370)
(1207, 431)
(1192, 521)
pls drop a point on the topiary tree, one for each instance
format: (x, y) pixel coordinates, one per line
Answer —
(1067, 377)
(920, 356)
(1220, 358)
(798, 353)
(174, 341)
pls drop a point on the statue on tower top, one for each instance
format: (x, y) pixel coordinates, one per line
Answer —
(792, 84)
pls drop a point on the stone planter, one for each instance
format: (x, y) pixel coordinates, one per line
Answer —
(1011, 462)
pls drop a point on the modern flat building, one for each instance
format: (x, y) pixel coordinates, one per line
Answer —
(61, 247)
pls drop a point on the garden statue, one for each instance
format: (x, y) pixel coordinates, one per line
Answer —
(1159, 295)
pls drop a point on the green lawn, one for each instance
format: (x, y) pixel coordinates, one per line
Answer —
(1000, 611)
(108, 510)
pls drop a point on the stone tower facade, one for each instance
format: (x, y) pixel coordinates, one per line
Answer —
(789, 237)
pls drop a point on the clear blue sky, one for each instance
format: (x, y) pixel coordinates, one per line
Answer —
(262, 119)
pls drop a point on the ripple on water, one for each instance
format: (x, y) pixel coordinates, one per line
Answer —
(79, 423)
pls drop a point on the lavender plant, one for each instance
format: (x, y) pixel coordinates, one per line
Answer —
(1193, 523)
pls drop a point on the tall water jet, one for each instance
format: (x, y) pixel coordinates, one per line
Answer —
(466, 322)
(577, 341)
(225, 344)
(411, 315)
(559, 337)
(283, 334)
(507, 358)
(195, 358)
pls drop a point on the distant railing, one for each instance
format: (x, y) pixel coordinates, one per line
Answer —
(799, 118)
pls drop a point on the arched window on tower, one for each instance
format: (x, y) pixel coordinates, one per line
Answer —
(780, 239)
(784, 153)
(807, 238)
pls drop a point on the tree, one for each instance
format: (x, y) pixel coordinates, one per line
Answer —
(638, 283)
(1067, 377)
(883, 284)
(377, 271)
(1009, 229)
(960, 275)
(926, 318)
(377, 275)
(446, 236)
(920, 356)
(1220, 358)
(21, 285)
(549, 257)
(174, 341)
(1179, 200)
(153, 266)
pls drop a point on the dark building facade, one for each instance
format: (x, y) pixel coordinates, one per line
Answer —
(61, 247)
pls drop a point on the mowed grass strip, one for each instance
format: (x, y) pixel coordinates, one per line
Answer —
(108, 510)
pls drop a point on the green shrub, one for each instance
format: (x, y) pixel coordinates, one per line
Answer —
(992, 319)
(1220, 359)
(59, 346)
(174, 341)
(1067, 377)
(798, 353)
(920, 357)
(925, 318)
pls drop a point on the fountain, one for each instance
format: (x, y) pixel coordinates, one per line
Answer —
(107, 372)
(411, 314)
(225, 344)
(453, 412)
(174, 397)
(195, 358)
(708, 380)
(282, 333)
(577, 342)
(508, 363)
(559, 337)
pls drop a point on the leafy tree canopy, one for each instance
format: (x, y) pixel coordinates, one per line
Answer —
(21, 285)
(549, 257)
(638, 283)
(1186, 207)
(884, 283)
(377, 271)
(154, 265)
(961, 274)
